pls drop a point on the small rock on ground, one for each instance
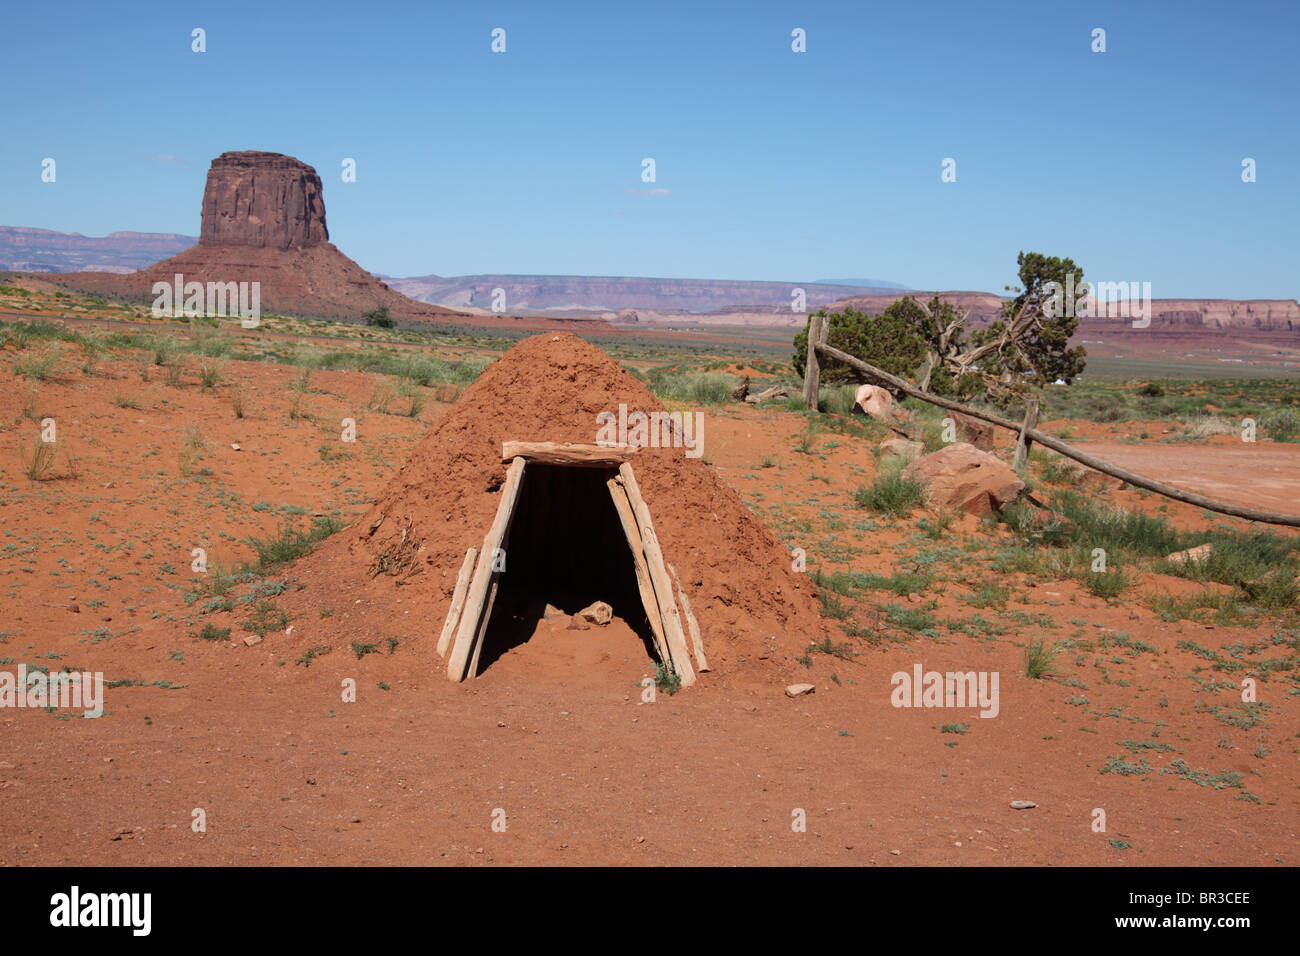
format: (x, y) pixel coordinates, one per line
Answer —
(598, 613)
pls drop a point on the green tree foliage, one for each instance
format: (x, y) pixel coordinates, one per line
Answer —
(891, 340)
(906, 339)
(378, 317)
(929, 343)
(1034, 332)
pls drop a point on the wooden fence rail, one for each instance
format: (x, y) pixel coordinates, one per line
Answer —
(817, 349)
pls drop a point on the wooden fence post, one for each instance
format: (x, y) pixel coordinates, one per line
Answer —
(1024, 441)
(1047, 441)
(812, 378)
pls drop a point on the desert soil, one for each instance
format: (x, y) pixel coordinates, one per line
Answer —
(1260, 475)
(556, 733)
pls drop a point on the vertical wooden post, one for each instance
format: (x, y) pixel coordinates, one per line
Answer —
(473, 619)
(1024, 441)
(812, 378)
(701, 662)
(644, 585)
(457, 601)
(674, 632)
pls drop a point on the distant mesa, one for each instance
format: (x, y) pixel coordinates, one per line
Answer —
(862, 283)
(1183, 315)
(24, 249)
(669, 299)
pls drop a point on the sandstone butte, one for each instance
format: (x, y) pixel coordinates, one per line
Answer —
(263, 200)
(263, 220)
(961, 477)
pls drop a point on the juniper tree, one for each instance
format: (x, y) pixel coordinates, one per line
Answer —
(930, 344)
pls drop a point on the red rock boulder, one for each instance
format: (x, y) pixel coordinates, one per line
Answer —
(972, 431)
(908, 451)
(963, 478)
(875, 401)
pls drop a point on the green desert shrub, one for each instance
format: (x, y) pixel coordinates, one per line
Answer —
(378, 317)
(1038, 659)
(1282, 425)
(290, 542)
(699, 388)
(839, 400)
(39, 367)
(890, 494)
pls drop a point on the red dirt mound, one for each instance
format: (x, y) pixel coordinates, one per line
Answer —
(752, 608)
(318, 281)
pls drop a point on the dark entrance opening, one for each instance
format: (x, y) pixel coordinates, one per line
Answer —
(566, 547)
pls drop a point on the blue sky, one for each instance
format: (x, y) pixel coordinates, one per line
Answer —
(770, 164)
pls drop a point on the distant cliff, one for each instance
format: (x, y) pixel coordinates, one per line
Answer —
(44, 250)
(1261, 315)
(264, 215)
(590, 295)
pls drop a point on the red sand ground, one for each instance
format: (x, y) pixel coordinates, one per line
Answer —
(1272, 470)
(585, 772)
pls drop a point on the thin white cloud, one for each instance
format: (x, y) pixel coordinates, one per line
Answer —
(648, 192)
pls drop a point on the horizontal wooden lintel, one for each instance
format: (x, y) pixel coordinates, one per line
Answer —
(567, 453)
